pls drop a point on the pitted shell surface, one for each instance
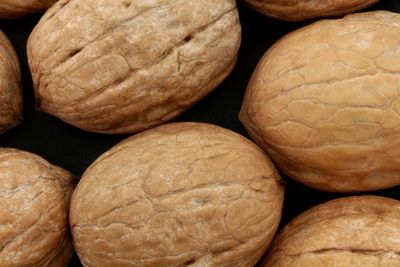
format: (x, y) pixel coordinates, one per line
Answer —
(34, 203)
(354, 231)
(118, 66)
(324, 103)
(185, 194)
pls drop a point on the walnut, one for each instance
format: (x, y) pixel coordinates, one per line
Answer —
(298, 10)
(354, 231)
(10, 86)
(177, 195)
(10, 9)
(324, 103)
(34, 201)
(120, 66)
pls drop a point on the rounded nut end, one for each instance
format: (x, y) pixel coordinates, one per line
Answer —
(296, 11)
(10, 86)
(12, 9)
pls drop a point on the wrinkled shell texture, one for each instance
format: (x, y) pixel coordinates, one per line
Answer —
(298, 10)
(354, 231)
(119, 66)
(34, 201)
(177, 195)
(17, 8)
(10, 86)
(324, 103)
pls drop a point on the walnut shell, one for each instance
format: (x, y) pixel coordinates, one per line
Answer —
(10, 9)
(10, 86)
(177, 195)
(324, 103)
(298, 10)
(353, 231)
(34, 202)
(121, 66)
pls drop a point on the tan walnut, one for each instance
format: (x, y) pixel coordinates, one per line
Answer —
(177, 195)
(10, 86)
(324, 103)
(10, 9)
(298, 10)
(353, 231)
(120, 66)
(34, 202)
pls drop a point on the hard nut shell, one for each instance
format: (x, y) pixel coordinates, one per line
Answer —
(324, 103)
(10, 9)
(354, 231)
(298, 10)
(118, 66)
(177, 195)
(10, 86)
(34, 202)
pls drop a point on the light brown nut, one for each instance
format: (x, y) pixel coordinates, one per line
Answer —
(298, 10)
(10, 86)
(177, 195)
(34, 202)
(324, 103)
(10, 9)
(354, 231)
(121, 66)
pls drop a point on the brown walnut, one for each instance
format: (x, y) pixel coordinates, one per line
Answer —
(324, 102)
(185, 194)
(121, 66)
(298, 10)
(10, 86)
(34, 203)
(10, 9)
(354, 231)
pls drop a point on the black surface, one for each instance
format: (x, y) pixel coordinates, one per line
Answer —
(74, 150)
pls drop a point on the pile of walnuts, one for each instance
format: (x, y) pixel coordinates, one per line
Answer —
(322, 107)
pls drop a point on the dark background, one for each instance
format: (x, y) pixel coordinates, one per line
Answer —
(75, 150)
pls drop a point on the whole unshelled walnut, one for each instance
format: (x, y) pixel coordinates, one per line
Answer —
(10, 86)
(121, 66)
(10, 9)
(324, 102)
(185, 194)
(353, 231)
(34, 203)
(298, 10)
